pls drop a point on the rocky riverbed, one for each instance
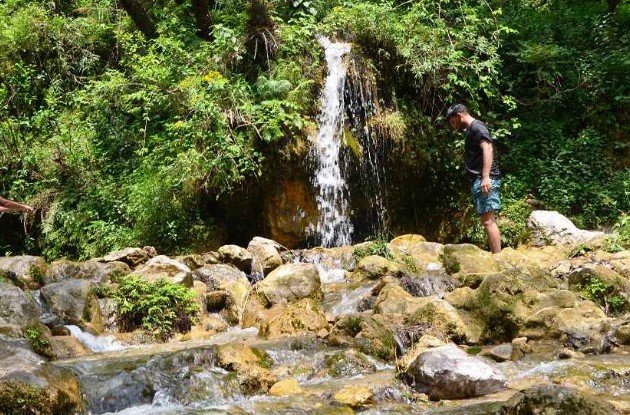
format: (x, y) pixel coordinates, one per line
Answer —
(404, 327)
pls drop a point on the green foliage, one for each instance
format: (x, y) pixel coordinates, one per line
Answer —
(39, 343)
(606, 295)
(20, 398)
(160, 308)
(619, 238)
(376, 247)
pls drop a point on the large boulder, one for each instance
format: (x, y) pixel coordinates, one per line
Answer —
(250, 365)
(556, 400)
(163, 267)
(552, 228)
(216, 275)
(266, 255)
(468, 263)
(371, 335)
(26, 271)
(130, 256)
(447, 372)
(74, 302)
(25, 375)
(241, 258)
(89, 270)
(415, 254)
(289, 283)
(17, 309)
(373, 267)
(303, 317)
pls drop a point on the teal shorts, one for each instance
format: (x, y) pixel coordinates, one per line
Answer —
(486, 202)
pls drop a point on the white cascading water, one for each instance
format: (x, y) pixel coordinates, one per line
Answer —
(333, 227)
(96, 344)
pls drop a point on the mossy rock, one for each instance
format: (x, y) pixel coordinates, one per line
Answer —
(466, 259)
(20, 398)
(371, 335)
(348, 363)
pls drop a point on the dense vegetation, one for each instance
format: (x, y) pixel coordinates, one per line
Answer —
(124, 122)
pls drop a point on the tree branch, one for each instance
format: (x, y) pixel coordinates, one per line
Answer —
(140, 17)
(201, 10)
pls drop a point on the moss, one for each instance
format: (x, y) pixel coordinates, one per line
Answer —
(264, 360)
(473, 350)
(20, 398)
(36, 274)
(39, 343)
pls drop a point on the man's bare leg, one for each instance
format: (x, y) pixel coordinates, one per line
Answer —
(489, 221)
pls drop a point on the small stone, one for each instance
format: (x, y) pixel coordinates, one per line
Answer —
(354, 396)
(501, 353)
(569, 354)
(285, 387)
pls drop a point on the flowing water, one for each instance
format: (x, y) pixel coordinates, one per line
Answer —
(333, 227)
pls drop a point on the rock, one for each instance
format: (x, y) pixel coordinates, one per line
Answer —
(622, 334)
(620, 262)
(467, 262)
(428, 285)
(25, 271)
(74, 302)
(373, 267)
(569, 354)
(215, 276)
(510, 258)
(17, 310)
(131, 256)
(583, 327)
(354, 396)
(89, 270)
(369, 334)
(285, 388)
(503, 352)
(24, 373)
(330, 258)
(216, 301)
(163, 267)
(348, 363)
(443, 320)
(300, 318)
(415, 254)
(424, 343)
(556, 400)
(605, 279)
(393, 300)
(552, 228)
(251, 366)
(447, 372)
(289, 283)
(241, 258)
(237, 296)
(193, 261)
(66, 347)
(266, 255)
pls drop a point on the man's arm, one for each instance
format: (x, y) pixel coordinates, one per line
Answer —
(486, 148)
(10, 206)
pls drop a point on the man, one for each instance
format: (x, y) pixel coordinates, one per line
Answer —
(482, 170)
(7, 205)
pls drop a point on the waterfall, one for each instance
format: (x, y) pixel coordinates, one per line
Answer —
(333, 227)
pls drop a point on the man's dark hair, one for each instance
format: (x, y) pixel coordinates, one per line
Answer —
(456, 109)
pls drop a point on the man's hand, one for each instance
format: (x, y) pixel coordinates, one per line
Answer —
(486, 185)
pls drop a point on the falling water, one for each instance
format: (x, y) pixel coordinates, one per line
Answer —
(333, 227)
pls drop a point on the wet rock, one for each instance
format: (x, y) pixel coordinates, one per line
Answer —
(424, 343)
(289, 283)
(370, 334)
(74, 302)
(25, 271)
(348, 363)
(285, 388)
(131, 256)
(330, 258)
(237, 296)
(89, 270)
(65, 347)
(394, 300)
(552, 228)
(468, 263)
(622, 334)
(373, 267)
(354, 396)
(241, 258)
(17, 309)
(447, 372)
(251, 367)
(569, 354)
(265, 253)
(444, 320)
(300, 318)
(428, 285)
(557, 400)
(163, 267)
(216, 275)
(21, 367)
(415, 254)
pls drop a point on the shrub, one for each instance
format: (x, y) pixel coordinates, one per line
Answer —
(161, 308)
(619, 238)
(376, 247)
(606, 295)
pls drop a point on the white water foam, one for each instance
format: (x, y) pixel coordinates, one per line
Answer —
(96, 343)
(333, 227)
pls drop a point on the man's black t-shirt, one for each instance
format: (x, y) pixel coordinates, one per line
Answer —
(473, 155)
